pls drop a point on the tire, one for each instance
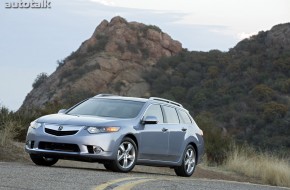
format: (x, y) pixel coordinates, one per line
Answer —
(188, 163)
(108, 166)
(43, 161)
(126, 157)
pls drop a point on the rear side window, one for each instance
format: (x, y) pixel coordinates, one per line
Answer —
(155, 110)
(184, 117)
(171, 114)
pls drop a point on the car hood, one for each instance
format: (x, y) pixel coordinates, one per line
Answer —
(64, 119)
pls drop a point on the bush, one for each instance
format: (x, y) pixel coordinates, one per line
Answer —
(217, 144)
(9, 131)
(39, 80)
(273, 110)
(156, 28)
(60, 63)
(100, 45)
(12, 126)
(263, 92)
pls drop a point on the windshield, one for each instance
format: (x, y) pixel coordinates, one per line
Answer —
(108, 108)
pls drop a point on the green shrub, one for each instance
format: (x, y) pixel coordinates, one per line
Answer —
(100, 45)
(39, 80)
(263, 92)
(274, 110)
(60, 63)
(217, 144)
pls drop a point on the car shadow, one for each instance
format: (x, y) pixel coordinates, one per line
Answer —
(104, 170)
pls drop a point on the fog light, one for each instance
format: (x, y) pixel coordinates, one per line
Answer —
(97, 149)
(28, 143)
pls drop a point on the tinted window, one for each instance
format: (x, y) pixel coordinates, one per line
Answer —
(155, 110)
(171, 115)
(108, 108)
(184, 117)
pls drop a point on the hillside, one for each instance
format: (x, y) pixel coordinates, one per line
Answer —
(111, 60)
(244, 92)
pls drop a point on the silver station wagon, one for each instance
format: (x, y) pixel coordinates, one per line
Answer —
(119, 132)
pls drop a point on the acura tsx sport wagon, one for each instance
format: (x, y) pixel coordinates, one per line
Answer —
(119, 132)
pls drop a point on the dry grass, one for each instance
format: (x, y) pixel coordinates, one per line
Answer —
(271, 170)
(8, 132)
(10, 150)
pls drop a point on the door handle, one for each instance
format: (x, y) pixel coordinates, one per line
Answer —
(164, 129)
(183, 129)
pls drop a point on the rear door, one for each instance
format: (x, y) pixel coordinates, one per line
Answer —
(176, 133)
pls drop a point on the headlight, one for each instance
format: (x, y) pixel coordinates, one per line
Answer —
(94, 130)
(34, 125)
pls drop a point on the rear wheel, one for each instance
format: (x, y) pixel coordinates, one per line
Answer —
(42, 160)
(126, 157)
(188, 163)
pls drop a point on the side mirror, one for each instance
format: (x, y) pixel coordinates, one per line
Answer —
(150, 120)
(62, 111)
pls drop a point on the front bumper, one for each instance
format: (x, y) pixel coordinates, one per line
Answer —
(82, 139)
(79, 156)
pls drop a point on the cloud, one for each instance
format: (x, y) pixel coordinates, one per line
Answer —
(244, 35)
(105, 2)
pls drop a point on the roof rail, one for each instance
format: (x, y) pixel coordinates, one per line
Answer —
(104, 95)
(165, 100)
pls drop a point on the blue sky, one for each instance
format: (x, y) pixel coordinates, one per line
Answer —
(32, 40)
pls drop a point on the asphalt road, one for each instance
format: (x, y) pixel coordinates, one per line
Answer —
(25, 176)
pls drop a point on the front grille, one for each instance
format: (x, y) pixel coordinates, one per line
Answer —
(59, 133)
(59, 146)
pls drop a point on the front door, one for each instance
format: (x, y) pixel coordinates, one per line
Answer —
(154, 138)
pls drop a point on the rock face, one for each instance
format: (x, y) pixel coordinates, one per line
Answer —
(279, 36)
(111, 61)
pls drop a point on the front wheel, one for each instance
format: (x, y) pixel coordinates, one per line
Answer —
(42, 160)
(188, 163)
(126, 157)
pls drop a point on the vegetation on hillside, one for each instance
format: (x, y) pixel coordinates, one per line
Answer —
(39, 80)
(245, 91)
(13, 126)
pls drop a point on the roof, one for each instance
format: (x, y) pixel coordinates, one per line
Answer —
(112, 96)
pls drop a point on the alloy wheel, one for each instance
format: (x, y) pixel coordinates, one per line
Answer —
(189, 160)
(126, 155)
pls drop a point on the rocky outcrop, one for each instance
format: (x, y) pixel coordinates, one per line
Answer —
(112, 60)
(279, 36)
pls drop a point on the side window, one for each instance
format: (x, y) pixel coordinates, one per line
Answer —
(184, 117)
(171, 115)
(155, 110)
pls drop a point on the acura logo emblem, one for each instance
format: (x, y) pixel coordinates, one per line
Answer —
(60, 128)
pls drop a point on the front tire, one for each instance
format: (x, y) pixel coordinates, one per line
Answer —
(188, 163)
(108, 166)
(42, 160)
(126, 157)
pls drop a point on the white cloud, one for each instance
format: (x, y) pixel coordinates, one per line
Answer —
(105, 2)
(244, 35)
